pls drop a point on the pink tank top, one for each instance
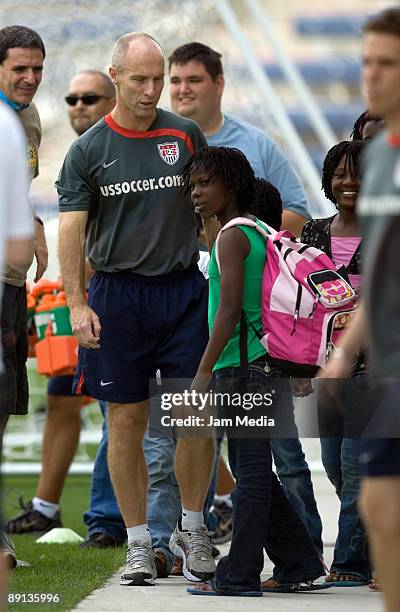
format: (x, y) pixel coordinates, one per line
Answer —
(343, 249)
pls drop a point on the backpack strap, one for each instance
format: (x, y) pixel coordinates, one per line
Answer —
(283, 234)
(277, 239)
(244, 360)
(244, 323)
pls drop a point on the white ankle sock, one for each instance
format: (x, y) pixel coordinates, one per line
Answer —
(139, 533)
(45, 507)
(191, 520)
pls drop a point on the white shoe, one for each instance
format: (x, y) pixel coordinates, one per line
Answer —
(195, 549)
(140, 565)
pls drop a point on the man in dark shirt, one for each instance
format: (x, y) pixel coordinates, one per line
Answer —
(119, 191)
(379, 316)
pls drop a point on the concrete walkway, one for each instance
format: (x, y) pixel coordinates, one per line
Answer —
(170, 593)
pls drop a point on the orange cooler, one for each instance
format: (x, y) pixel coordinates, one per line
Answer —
(30, 304)
(45, 286)
(57, 355)
(43, 315)
(60, 316)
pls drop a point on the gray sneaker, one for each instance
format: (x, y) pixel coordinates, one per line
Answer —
(195, 549)
(140, 565)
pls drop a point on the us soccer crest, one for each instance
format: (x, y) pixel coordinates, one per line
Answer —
(169, 152)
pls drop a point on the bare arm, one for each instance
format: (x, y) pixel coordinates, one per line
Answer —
(233, 248)
(85, 322)
(72, 255)
(89, 272)
(41, 252)
(293, 222)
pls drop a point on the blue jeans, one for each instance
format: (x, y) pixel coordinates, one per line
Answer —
(295, 476)
(163, 501)
(292, 470)
(340, 457)
(263, 516)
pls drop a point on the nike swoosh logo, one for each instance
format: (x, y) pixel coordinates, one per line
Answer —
(110, 164)
(104, 384)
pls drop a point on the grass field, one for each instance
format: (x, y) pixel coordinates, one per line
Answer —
(66, 570)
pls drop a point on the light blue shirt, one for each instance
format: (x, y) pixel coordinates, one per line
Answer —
(14, 105)
(266, 158)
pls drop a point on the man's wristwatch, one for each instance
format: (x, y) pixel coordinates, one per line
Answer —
(38, 219)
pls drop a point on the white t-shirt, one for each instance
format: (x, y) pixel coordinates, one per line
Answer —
(16, 220)
(203, 263)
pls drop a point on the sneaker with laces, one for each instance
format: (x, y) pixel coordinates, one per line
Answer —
(195, 549)
(140, 566)
(32, 521)
(224, 529)
(100, 539)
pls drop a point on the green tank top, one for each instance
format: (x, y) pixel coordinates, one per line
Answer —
(253, 271)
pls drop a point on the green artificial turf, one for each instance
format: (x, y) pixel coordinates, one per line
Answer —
(62, 569)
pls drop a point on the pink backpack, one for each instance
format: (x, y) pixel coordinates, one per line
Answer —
(305, 302)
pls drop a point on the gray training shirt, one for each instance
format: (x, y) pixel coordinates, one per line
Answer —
(379, 209)
(129, 182)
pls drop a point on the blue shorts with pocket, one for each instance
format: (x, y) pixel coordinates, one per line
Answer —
(147, 323)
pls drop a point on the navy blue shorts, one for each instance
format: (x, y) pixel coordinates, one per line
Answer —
(147, 323)
(380, 456)
(60, 385)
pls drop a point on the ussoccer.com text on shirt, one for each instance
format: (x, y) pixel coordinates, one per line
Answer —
(151, 184)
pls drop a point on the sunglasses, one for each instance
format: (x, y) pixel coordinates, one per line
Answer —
(89, 100)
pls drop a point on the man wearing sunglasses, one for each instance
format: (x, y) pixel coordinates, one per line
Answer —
(91, 95)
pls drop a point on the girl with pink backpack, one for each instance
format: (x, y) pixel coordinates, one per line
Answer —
(222, 183)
